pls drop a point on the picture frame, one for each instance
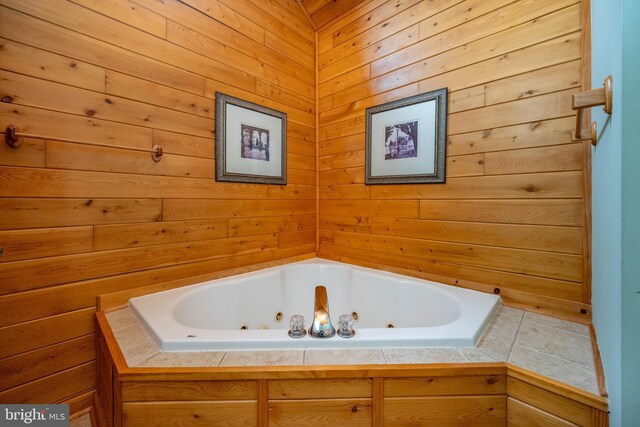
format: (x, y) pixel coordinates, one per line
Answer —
(406, 140)
(251, 142)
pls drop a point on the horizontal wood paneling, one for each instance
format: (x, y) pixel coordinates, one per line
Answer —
(459, 410)
(319, 389)
(78, 221)
(522, 414)
(46, 361)
(513, 202)
(241, 413)
(176, 390)
(328, 412)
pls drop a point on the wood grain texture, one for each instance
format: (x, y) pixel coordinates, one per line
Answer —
(450, 411)
(510, 68)
(80, 221)
(319, 389)
(237, 413)
(522, 414)
(333, 412)
(174, 391)
(322, 12)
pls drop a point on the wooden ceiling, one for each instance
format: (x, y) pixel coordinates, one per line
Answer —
(321, 12)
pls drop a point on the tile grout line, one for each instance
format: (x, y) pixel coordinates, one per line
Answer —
(559, 329)
(558, 358)
(515, 338)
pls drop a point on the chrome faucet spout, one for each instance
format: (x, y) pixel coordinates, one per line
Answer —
(321, 327)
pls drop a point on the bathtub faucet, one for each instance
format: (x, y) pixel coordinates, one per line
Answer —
(321, 327)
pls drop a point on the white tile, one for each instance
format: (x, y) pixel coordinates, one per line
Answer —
(572, 347)
(120, 319)
(511, 312)
(134, 341)
(558, 369)
(476, 355)
(263, 358)
(423, 355)
(502, 328)
(184, 359)
(553, 322)
(497, 349)
(351, 356)
(141, 358)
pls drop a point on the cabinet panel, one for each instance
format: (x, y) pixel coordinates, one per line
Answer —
(319, 389)
(239, 413)
(521, 414)
(434, 386)
(446, 411)
(189, 390)
(325, 412)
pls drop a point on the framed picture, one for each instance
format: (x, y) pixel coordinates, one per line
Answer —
(251, 142)
(405, 140)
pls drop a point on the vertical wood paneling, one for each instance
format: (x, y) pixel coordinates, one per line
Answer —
(510, 67)
(79, 221)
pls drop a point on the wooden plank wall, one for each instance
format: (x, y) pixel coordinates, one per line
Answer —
(79, 221)
(510, 217)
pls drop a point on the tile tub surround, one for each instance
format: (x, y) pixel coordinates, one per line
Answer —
(552, 347)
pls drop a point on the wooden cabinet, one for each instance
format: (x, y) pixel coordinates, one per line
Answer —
(139, 414)
(449, 400)
(334, 402)
(522, 414)
(321, 412)
(446, 411)
(488, 394)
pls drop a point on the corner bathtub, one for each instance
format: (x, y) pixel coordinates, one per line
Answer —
(210, 315)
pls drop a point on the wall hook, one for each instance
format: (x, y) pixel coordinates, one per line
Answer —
(592, 98)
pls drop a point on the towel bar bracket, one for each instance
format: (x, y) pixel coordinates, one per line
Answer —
(592, 98)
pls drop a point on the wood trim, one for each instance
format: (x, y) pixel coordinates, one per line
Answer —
(378, 401)
(307, 372)
(263, 403)
(340, 17)
(602, 385)
(317, 144)
(599, 418)
(80, 404)
(313, 25)
(110, 342)
(99, 418)
(557, 387)
(586, 152)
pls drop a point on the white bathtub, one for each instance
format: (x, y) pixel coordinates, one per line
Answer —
(210, 315)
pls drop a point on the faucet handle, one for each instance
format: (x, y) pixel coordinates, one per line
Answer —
(296, 326)
(345, 326)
